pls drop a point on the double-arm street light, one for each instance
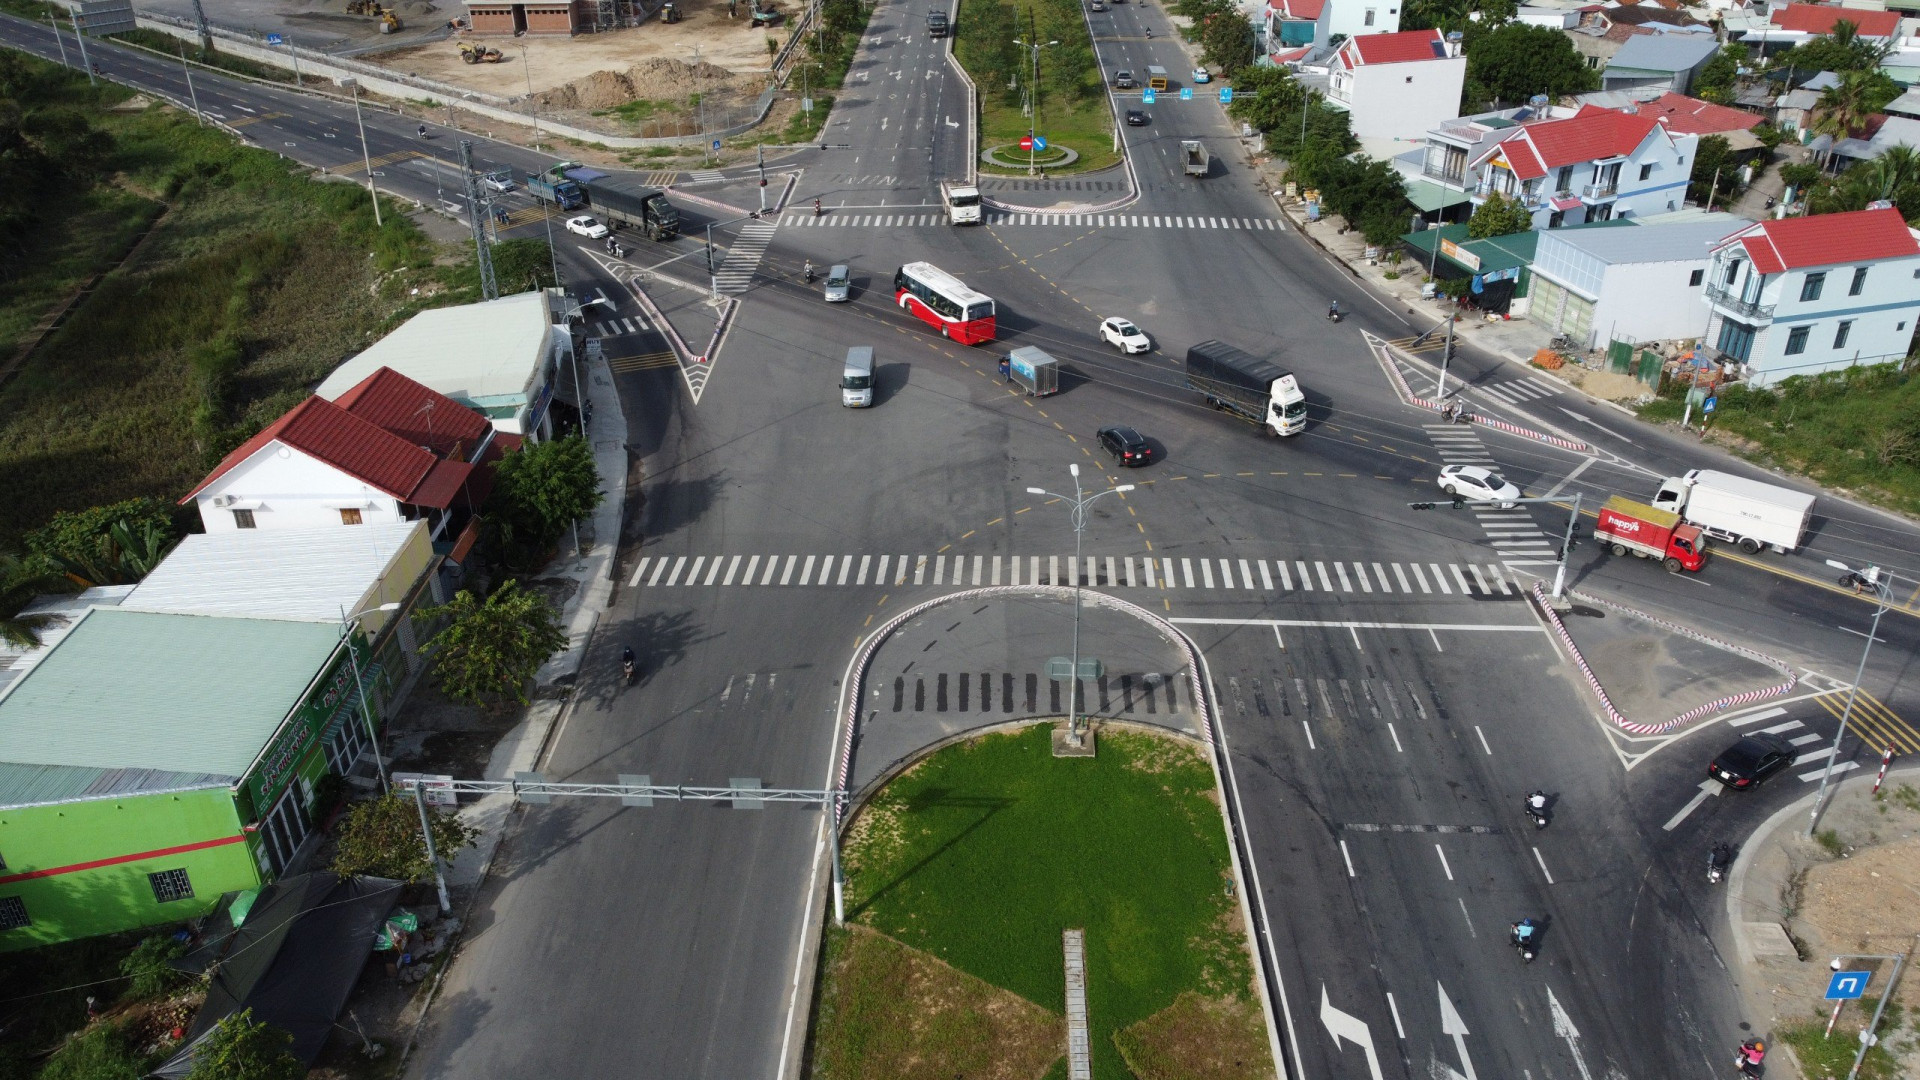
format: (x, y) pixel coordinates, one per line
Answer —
(1033, 95)
(1881, 583)
(1078, 501)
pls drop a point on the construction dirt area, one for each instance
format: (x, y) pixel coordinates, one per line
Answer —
(642, 82)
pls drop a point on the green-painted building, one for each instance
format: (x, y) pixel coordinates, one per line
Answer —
(150, 762)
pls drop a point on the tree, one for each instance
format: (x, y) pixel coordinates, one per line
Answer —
(489, 650)
(1842, 50)
(1498, 216)
(147, 968)
(1845, 106)
(381, 838)
(101, 1052)
(538, 492)
(1226, 39)
(240, 1049)
(1362, 190)
(1715, 167)
(116, 544)
(1516, 61)
(23, 577)
(524, 264)
(1716, 79)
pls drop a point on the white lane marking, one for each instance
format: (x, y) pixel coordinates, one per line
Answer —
(1308, 728)
(1810, 777)
(1437, 850)
(1471, 932)
(637, 571)
(1351, 1029)
(1754, 717)
(1396, 738)
(1347, 855)
(1707, 787)
(1543, 865)
(1451, 1024)
(1395, 1010)
(1483, 740)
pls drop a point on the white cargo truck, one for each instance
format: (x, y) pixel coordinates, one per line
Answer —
(1736, 510)
(962, 201)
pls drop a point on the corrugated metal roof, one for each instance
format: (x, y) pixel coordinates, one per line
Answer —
(1663, 52)
(304, 575)
(62, 612)
(1652, 243)
(178, 693)
(469, 353)
(38, 785)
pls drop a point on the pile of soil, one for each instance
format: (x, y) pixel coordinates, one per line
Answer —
(656, 78)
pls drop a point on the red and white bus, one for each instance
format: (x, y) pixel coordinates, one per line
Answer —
(942, 300)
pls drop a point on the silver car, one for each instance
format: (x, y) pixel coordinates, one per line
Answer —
(839, 283)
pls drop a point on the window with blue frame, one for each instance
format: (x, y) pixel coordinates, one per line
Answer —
(1810, 288)
(1797, 340)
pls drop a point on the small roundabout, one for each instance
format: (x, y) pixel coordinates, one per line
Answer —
(1010, 156)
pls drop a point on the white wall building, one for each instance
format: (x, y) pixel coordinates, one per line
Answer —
(1630, 284)
(1799, 296)
(1596, 165)
(1397, 86)
(1356, 17)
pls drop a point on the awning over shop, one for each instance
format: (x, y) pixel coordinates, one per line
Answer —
(1428, 196)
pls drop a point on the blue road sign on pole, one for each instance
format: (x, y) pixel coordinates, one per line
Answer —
(1186, 93)
(1847, 985)
(1709, 404)
(275, 39)
(1039, 142)
(1226, 95)
(716, 146)
(1146, 96)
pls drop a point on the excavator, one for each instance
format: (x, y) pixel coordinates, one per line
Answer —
(388, 15)
(474, 53)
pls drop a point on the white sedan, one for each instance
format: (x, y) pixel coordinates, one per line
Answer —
(1124, 336)
(1200, 75)
(587, 226)
(1475, 484)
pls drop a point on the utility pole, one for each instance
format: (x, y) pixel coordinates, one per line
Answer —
(1566, 549)
(200, 21)
(192, 95)
(82, 39)
(1882, 585)
(58, 40)
(533, 114)
(433, 857)
(366, 156)
(760, 163)
(476, 213)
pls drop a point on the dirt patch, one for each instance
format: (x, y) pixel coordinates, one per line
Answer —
(1198, 1038)
(890, 1012)
(437, 736)
(1653, 674)
(1606, 385)
(653, 79)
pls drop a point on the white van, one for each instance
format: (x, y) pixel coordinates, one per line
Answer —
(856, 379)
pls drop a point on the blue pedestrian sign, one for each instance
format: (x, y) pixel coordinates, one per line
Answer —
(275, 39)
(1039, 142)
(1709, 404)
(1847, 985)
(716, 146)
(1147, 96)
(1186, 93)
(1226, 95)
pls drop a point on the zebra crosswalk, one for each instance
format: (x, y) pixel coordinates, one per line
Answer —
(703, 176)
(743, 258)
(1513, 533)
(1522, 390)
(633, 324)
(1805, 740)
(858, 220)
(1412, 579)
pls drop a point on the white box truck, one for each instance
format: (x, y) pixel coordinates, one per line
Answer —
(1736, 510)
(962, 201)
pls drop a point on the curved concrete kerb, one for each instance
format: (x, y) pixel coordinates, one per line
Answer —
(1154, 643)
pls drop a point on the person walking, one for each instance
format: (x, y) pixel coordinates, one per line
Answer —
(1006, 371)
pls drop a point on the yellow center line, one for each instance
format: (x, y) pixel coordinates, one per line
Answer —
(967, 534)
(992, 523)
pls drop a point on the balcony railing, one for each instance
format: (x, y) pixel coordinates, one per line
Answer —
(1457, 177)
(1718, 294)
(1600, 191)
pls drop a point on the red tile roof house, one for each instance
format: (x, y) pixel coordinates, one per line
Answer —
(1397, 86)
(1814, 20)
(388, 450)
(1799, 296)
(1296, 24)
(1596, 165)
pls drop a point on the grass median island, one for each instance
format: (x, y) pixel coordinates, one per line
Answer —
(1073, 101)
(963, 872)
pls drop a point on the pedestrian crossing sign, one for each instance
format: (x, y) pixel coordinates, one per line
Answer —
(1226, 95)
(1147, 96)
(1186, 93)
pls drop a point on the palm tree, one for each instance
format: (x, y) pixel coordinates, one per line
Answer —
(1895, 168)
(21, 579)
(1844, 106)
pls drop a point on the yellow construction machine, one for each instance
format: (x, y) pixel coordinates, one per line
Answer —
(389, 17)
(474, 53)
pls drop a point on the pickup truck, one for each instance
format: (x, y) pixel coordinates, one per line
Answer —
(1194, 153)
(1628, 527)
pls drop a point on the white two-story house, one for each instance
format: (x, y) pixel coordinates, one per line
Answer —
(1397, 86)
(1596, 165)
(1798, 296)
(1297, 27)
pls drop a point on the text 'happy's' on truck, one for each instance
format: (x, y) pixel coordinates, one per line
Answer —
(1252, 389)
(570, 185)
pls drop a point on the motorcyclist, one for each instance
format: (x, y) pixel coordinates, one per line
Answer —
(626, 662)
(817, 211)
(1333, 311)
(808, 270)
(423, 131)
(1718, 859)
(1525, 935)
(1450, 412)
(1537, 801)
(1750, 1056)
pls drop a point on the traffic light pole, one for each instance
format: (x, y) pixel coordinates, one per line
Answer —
(1566, 545)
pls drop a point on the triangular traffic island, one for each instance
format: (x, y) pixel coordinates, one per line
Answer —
(1651, 675)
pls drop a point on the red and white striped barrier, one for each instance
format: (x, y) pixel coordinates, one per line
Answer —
(1886, 759)
(1717, 705)
(1382, 353)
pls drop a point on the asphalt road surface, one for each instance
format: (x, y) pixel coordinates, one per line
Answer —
(1386, 694)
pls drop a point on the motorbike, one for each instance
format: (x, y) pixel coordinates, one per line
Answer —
(1718, 859)
(1524, 936)
(1749, 1057)
(1536, 807)
(1333, 314)
(1859, 582)
(626, 665)
(817, 211)
(423, 131)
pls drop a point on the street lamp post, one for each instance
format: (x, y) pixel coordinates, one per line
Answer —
(1080, 500)
(1882, 585)
(533, 114)
(366, 155)
(360, 685)
(1033, 95)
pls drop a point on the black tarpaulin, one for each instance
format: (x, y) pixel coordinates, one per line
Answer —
(294, 960)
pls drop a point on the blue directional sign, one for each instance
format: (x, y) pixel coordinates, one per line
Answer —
(1709, 404)
(275, 39)
(1847, 985)
(716, 146)
(1186, 93)
(1147, 96)
(1039, 142)
(1226, 95)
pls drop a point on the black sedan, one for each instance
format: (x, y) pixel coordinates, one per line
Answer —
(1126, 445)
(1136, 118)
(1751, 760)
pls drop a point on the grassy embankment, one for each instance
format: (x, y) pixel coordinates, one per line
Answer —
(254, 283)
(1073, 102)
(979, 858)
(1856, 430)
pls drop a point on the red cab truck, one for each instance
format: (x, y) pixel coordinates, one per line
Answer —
(1627, 526)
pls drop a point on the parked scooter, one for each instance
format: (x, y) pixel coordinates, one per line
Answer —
(1718, 860)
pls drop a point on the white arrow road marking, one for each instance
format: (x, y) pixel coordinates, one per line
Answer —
(1563, 1027)
(1708, 787)
(1451, 1024)
(1350, 1028)
(1584, 420)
